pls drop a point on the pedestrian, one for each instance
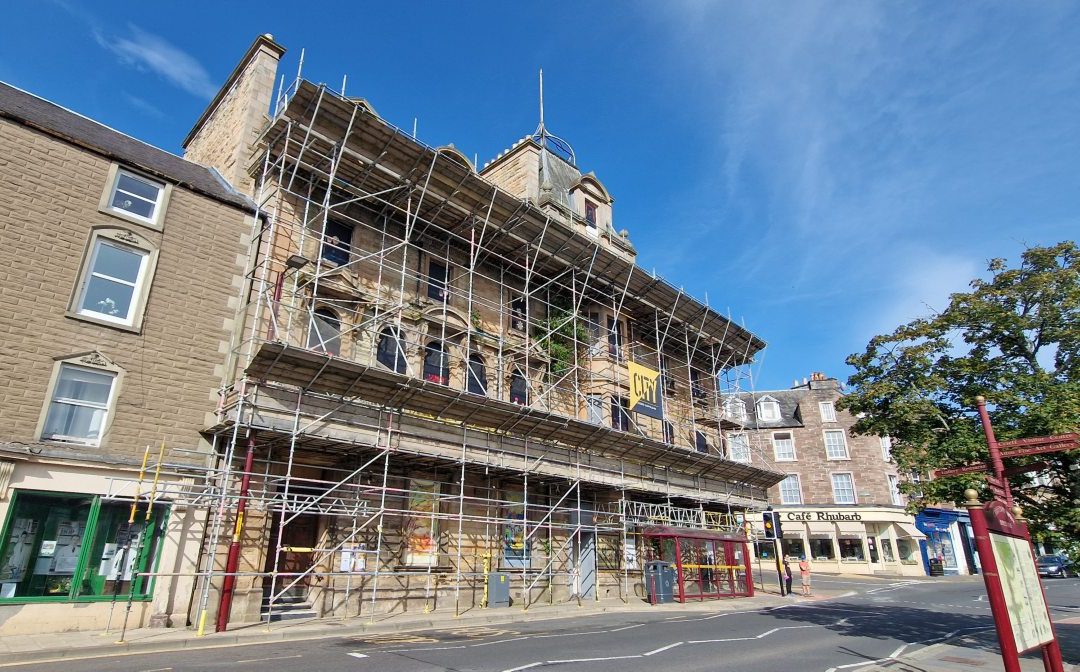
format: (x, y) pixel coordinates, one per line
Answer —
(787, 575)
(804, 574)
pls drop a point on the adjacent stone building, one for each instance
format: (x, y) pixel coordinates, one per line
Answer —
(839, 501)
(119, 271)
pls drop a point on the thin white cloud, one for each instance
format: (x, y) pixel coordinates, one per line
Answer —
(149, 52)
(875, 149)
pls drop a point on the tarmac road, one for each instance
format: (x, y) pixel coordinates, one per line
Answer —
(884, 619)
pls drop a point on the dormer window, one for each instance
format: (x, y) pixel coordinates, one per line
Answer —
(768, 410)
(735, 408)
(590, 214)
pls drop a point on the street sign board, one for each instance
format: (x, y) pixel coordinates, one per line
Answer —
(1025, 468)
(1072, 438)
(966, 469)
(1039, 448)
(997, 486)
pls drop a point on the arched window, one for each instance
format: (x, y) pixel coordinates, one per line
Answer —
(391, 351)
(519, 389)
(476, 377)
(324, 332)
(436, 363)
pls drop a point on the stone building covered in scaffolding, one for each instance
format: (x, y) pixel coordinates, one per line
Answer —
(444, 372)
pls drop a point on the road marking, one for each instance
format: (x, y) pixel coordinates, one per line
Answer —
(523, 667)
(590, 660)
(358, 655)
(628, 627)
(263, 660)
(662, 648)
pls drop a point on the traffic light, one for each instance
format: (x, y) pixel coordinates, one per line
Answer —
(771, 522)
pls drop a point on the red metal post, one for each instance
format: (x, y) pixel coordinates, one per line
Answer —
(994, 592)
(233, 561)
(679, 571)
(996, 464)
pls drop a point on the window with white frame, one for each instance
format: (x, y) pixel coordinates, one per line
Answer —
(886, 448)
(783, 446)
(113, 279)
(828, 411)
(768, 410)
(790, 491)
(739, 447)
(894, 489)
(136, 196)
(835, 444)
(80, 403)
(843, 488)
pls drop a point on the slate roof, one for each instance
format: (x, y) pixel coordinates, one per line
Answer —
(35, 112)
(790, 415)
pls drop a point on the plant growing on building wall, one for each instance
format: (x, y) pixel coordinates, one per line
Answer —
(562, 337)
(1015, 339)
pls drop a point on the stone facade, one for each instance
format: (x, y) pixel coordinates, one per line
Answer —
(57, 177)
(367, 305)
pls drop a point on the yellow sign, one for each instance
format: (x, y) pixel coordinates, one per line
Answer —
(645, 391)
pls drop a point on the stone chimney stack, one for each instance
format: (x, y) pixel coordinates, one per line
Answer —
(225, 134)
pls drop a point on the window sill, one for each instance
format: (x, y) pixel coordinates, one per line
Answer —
(130, 328)
(838, 459)
(153, 225)
(785, 459)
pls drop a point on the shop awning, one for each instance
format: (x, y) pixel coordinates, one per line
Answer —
(849, 530)
(820, 530)
(908, 531)
(793, 530)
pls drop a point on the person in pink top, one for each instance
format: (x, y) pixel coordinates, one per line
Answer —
(804, 574)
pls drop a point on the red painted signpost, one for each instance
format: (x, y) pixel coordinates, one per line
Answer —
(1017, 600)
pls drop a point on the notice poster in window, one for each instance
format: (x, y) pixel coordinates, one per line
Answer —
(125, 550)
(421, 526)
(515, 545)
(69, 536)
(630, 552)
(18, 550)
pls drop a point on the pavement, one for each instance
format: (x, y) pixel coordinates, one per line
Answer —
(967, 652)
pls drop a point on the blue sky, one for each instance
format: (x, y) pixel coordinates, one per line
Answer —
(825, 171)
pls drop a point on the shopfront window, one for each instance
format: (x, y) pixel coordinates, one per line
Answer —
(908, 550)
(885, 544)
(822, 549)
(851, 550)
(793, 547)
(76, 546)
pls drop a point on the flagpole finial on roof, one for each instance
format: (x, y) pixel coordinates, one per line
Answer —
(548, 140)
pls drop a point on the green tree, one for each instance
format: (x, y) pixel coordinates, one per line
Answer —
(1014, 338)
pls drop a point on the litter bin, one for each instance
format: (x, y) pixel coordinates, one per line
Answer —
(659, 581)
(936, 567)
